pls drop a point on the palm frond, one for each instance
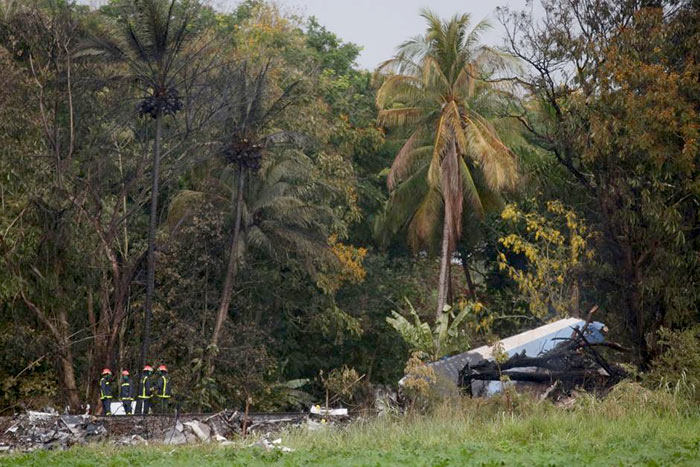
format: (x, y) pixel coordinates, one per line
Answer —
(426, 220)
(406, 159)
(470, 192)
(399, 117)
(496, 161)
(404, 202)
(182, 205)
(438, 91)
(398, 88)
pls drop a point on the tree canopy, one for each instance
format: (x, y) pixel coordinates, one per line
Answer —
(228, 193)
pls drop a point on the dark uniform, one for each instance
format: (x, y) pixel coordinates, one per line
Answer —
(163, 389)
(143, 400)
(106, 392)
(126, 393)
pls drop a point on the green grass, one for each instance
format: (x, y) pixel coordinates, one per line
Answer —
(631, 427)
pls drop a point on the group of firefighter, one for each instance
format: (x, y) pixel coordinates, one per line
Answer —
(152, 388)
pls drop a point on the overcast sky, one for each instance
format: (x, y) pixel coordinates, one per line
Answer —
(379, 26)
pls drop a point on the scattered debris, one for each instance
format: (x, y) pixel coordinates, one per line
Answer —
(202, 431)
(45, 430)
(262, 423)
(385, 400)
(223, 423)
(134, 440)
(265, 443)
(174, 436)
(41, 416)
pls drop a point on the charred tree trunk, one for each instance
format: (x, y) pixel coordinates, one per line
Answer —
(151, 265)
(450, 290)
(231, 272)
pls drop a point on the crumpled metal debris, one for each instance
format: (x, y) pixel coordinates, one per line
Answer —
(174, 437)
(386, 401)
(202, 431)
(46, 430)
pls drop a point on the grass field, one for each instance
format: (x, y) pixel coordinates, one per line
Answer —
(631, 427)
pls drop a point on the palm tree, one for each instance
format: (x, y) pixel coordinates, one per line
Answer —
(453, 154)
(151, 39)
(275, 215)
(251, 106)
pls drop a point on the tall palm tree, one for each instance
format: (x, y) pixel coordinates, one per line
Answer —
(251, 106)
(151, 38)
(453, 155)
(275, 215)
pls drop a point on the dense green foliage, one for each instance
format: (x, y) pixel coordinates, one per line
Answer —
(229, 174)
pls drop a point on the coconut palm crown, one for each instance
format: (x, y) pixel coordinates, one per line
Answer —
(151, 38)
(453, 157)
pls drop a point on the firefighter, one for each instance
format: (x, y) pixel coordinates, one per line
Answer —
(163, 389)
(126, 392)
(106, 391)
(143, 400)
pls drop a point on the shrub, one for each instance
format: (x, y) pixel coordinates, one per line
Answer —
(418, 382)
(677, 368)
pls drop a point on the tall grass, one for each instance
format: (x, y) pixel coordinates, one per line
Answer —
(631, 426)
(625, 410)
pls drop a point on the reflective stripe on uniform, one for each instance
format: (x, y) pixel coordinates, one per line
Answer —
(127, 398)
(103, 381)
(164, 394)
(143, 394)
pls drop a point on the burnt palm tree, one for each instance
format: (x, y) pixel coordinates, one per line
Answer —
(151, 38)
(247, 133)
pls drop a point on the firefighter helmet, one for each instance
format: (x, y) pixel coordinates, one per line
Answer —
(125, 372)
(162, 368)
(148, 368)
(106, 371)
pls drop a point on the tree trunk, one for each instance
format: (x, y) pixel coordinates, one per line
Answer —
(444, 266)
(68, 376)
(231, 271)
(468, 276)
(450, 290)
(66, 362)
(151, 267)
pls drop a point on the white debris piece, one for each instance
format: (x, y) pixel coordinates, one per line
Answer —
(317, 410)
(268, 445)
(39, 416)
(174, 437)
(201, 430)
(12, 429)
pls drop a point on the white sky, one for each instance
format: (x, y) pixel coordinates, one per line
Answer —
(379, 26)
